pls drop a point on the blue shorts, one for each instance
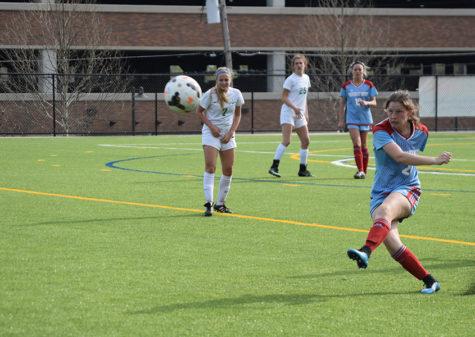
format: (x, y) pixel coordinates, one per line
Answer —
(359, 127)
(412, 194)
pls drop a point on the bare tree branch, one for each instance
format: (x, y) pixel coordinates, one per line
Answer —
(70, 40)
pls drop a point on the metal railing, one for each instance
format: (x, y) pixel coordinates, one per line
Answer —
(86, 104)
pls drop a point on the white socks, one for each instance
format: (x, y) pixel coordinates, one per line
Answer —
(208, 186)
(303, 156)
(224, 186)
(280, 151)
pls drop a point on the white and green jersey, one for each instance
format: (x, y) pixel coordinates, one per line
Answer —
(221, 117)
(298, 90)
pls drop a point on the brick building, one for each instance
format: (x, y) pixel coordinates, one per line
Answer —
(159, 39)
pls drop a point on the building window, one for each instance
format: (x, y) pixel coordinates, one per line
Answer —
(4, 74)
(210, 68)
(460, 69)
(438, 69)
(175, 69)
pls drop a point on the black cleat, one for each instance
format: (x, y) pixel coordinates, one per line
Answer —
(274, 171)
(222, 209)
(209, 209)
(303, 172)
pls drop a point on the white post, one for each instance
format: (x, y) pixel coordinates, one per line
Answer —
(47, 65)
(275, 61)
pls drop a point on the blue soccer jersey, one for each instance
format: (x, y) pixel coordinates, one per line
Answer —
(390, 174)
(355, 113)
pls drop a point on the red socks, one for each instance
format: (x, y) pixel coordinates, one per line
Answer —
(410, 262)
(358, 158)
(365, 159)
(377, 233)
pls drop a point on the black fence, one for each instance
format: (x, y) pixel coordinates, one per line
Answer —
(130, 104)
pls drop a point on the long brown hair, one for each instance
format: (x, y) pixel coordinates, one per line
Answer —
(404, 98)
(222, 98)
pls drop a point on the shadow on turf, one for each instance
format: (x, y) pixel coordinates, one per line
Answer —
(112, 220)
(259, 301)
(470, 291)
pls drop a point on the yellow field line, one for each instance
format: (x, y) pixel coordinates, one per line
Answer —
(241, 216)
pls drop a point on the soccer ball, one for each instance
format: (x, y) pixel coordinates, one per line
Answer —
(182, 94)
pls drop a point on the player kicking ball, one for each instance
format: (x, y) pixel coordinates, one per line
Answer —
(396, 187)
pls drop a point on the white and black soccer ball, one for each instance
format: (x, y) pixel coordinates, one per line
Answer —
(182, 94)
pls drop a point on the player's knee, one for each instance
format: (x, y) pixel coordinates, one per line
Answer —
(286, 143)
(210, 169)
(228, 171)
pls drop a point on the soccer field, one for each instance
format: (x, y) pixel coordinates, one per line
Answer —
(105, 236)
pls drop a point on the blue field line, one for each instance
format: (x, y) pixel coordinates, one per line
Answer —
(274, 181)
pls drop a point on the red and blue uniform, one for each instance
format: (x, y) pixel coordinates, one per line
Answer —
(390, 175)
(357, 115)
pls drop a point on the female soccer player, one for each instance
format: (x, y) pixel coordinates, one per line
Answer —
(396, 188)
(357, 96)
(220, 113)
(294, 114)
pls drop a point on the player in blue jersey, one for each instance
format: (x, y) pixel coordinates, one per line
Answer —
(294, 114)
(357, 96)
(396, 188)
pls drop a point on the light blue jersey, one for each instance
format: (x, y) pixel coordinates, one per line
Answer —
(356, 114)
(391, 175)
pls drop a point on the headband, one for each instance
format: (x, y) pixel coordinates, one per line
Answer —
(222, 71)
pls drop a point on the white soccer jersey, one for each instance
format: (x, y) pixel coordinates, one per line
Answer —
(221, 117)
(298, 89)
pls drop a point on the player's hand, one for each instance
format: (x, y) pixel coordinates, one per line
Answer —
(362, 103)
(226, 138)
(444, 158)
(298, 113)
(215, 131)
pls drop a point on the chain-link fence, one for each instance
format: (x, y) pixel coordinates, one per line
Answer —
(86, 104)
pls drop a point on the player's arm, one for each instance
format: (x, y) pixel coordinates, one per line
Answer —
(406, 158)
(202, 115)
(371, 102)
(306, 112)
(341, 112)
(286, 101)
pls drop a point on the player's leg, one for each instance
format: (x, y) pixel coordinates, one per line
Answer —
(227, 163)
(364, 149)
(357, 152)
(210, 155)
(279, 153)
(395, 206)
(408, 260)
(304, 137)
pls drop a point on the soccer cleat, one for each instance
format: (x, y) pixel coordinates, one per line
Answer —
(305, 173)
(360, 175)
(222, 209)
(360, 257)
(274, 171)
(209, 209)
(432, 289)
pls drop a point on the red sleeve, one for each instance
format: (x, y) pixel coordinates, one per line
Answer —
(383, 126)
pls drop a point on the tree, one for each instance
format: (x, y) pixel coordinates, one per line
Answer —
(347, 33)
(63, 48)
